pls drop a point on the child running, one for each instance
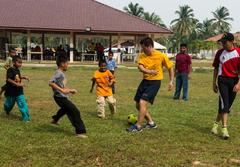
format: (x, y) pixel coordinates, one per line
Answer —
(61, 97)
(104, 80)
(14, 89)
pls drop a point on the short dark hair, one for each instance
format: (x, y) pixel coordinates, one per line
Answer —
(110, 52)
(147, 42)
(62, 59)
(16, 58)
(101, 62)
(183, 45)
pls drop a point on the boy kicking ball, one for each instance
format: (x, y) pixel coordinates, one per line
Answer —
(61, 97)
(150, 63)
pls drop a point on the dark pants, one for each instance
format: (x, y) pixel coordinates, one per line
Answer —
(226, 94)
(181, 82)
(67, 107)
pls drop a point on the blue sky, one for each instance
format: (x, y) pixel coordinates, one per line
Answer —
(165, 9)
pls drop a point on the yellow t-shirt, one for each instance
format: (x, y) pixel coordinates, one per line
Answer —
(155, 61)
(102, 83)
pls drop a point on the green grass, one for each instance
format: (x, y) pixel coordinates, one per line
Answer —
(182, 135)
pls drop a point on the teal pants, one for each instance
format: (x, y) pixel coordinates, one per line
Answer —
(22, 105)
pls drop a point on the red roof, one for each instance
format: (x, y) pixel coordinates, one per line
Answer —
(71, 15)
(218, 37)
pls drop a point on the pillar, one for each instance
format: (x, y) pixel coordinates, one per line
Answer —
(28, 45)
(71, 46)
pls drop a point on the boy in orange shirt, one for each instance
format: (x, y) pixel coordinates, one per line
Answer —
(104, 80)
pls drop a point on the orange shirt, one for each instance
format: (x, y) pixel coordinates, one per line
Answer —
(102, 83)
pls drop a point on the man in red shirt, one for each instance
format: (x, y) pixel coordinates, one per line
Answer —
(225, 80)
(182, 70)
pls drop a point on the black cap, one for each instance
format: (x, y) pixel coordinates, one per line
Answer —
(227, 37)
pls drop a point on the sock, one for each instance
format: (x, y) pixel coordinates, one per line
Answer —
(151, 123)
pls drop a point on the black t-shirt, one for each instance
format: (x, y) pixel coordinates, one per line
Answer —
(12, 90)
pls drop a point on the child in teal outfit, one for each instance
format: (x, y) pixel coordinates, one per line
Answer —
(14, 89)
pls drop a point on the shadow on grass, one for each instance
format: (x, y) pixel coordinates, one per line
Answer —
(49, 128)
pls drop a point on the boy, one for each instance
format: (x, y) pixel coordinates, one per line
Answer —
(150, 63)
(7, 65)
(111, 66)
(182, 71)
(104, 80)
(61, 97)
(14, 89)
(225, 81)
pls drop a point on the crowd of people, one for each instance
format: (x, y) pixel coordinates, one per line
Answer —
(150, 63)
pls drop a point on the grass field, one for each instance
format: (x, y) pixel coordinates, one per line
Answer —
(181, 138)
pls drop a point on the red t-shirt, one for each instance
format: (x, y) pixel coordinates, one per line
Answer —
(227, 62)
(183, 61)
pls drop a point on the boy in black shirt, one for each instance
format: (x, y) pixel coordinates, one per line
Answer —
(14, 89)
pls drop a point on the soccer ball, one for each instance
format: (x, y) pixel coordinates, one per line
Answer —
(131, 119)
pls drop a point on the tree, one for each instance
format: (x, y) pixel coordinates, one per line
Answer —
(221, 20)
(206, 29)
(153, 18)
(134, 9)
(185, 23)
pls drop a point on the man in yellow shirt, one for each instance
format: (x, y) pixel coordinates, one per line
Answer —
(104, 80)
(150, 63)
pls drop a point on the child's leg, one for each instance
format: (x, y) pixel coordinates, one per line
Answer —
(9, 103)
(101, 106)
(74, 116)
(112, 104)
(178, 86)
(23, 107)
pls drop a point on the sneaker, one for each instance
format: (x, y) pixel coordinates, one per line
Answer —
(54, 122)
(225, 134)
(134, 128)
(150, 126)
(83, 136)
(214, 129)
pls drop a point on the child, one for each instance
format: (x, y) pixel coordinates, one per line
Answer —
(111, 66)
(150, 63)
(225, 81)
(104, 80)
(7, 65)
(61, 97)
(14, 89)
(182, 70)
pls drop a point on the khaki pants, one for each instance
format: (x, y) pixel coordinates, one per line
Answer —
(101, 105)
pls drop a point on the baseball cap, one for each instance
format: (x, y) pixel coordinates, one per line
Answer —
(227, 37)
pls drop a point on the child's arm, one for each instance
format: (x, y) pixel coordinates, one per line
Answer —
(146, 71)
(215, 74)
(93, 84)
(25, 77)
(14, 83)
(63, 90)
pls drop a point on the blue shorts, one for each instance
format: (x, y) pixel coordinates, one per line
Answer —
(147, 90)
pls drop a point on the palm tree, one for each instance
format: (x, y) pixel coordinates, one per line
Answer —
(134, 9)
(221, 20)
(185, 23)
(153, 18)
(206, 29)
